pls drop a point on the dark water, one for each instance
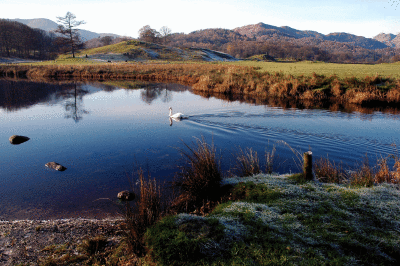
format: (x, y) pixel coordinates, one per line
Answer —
(103, 133)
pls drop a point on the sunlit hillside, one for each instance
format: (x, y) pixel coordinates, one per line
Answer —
(133, 50)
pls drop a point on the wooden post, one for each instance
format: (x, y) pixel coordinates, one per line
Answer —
(307, 167)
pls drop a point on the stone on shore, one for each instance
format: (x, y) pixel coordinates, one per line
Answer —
(126, 195)
(16, 139)
(55, 166)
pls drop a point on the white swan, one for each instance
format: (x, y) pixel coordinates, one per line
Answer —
(177, 116)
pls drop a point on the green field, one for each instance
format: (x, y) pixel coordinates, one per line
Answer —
(341, 70)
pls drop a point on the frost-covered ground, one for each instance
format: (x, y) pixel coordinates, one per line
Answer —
(305, 223)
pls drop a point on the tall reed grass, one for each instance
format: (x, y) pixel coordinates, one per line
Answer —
(247, 162)
(199, 180)
(149, 206)
(363, 174)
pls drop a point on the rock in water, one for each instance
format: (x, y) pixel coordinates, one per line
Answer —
(55, 166)
(15, 139)
(126, 195)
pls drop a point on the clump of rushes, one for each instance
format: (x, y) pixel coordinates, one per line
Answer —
(149, 206)
(269, 160)
(199, 180)
(327, 171)
(247, 162)
(384, 174)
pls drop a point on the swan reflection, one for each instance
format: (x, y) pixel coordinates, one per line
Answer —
(176, 117)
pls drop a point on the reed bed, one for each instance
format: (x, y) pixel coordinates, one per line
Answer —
(229, 80)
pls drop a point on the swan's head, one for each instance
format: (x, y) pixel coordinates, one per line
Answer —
(170, 108)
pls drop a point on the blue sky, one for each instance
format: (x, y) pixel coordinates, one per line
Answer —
(125, 17)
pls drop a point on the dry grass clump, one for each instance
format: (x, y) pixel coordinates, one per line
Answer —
(199, 180)
(363, 175)
(247, 162)
(149, 206)
(384, 174)
(327, 171)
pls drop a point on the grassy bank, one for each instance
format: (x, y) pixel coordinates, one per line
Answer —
(276, 221)
(229, 80)
(342, 71)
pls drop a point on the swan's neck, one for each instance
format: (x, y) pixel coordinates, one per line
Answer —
(170, 112)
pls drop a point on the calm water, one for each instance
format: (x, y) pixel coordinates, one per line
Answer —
(104, 133)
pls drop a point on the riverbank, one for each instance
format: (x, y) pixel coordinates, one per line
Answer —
(269, 219)
(228, 80)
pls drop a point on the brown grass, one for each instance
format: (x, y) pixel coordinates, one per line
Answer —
(148, 207)
(199, 180)
(327, 171)
(363, 175)
(247, 162)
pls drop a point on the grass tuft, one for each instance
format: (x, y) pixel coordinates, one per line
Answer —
(148, 207)
(328, 172)
(200, 179)
(247, 162)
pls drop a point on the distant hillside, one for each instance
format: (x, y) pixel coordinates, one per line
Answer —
(264, 32)
(389, 39)
(49, 25)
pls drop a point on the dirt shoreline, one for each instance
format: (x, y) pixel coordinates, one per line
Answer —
(31, 241)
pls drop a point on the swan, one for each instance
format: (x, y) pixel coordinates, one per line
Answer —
(177, 116)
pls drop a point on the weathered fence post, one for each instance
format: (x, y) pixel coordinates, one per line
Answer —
(307, 167)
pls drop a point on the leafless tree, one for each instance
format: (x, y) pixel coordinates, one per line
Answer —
(146, 33)
(68, 28)
(165, 32)
(106, 40)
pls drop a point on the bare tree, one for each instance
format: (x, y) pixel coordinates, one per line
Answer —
(68, 28)
(146, 33)
(165, 32)
(106, 40)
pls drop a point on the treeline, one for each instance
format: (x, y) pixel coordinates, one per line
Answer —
(19, 40)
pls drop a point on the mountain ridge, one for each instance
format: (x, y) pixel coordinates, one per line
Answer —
(262, 32)
(259, 31)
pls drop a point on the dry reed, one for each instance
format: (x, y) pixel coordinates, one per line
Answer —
(247, 162)
(199, 181)
(149, 206)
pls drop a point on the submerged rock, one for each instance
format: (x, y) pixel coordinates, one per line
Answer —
(16, 139)
(126, 195)
(55, 166)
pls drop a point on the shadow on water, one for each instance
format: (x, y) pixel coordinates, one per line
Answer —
(288, 103)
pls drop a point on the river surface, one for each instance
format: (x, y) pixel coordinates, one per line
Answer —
(104, 132)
